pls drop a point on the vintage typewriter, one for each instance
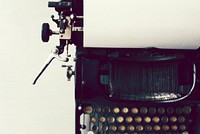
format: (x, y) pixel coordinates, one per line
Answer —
(127, 90)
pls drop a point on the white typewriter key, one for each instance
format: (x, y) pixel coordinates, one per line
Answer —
(90, 132)
(131, 128)
(156, 119)
(174, 127)
(93, 119)
(113, 128)
(129, 119)
(134, 110)
(156, 128)
(138, 119)
(102, 119)
(111, 119)
(139, 128)
(147, 119)
(125, 110)
(185, 132)
(173, 119)
(122, 128)
(120, 119)
(88, 110)
(116, 110)
(165, 127)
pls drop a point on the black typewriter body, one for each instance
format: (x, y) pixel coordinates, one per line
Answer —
(150, 91)
(129, 90)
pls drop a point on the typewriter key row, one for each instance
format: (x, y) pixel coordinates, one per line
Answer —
(139, 128)
(142, 110)
(138, 119)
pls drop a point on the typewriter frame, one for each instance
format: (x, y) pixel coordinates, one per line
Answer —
(84, 96)
(88, 95)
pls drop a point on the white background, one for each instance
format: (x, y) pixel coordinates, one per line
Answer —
(44, 108)
(142, 23)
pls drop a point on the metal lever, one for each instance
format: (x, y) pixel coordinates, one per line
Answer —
(54, 54)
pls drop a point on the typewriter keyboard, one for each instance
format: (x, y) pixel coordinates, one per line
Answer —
(101, 119)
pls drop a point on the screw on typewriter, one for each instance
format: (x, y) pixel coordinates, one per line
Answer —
(65, 25)
(70, 72)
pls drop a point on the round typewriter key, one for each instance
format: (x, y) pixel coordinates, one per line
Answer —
(93, 119)
(125, 110)
(165, 127)
(90, 132)
(94, 128)
(187, 110)
(104, 128)
(156, 119)
(107, 110)
(102, 119)
(182, 127)
(170, 110)
(131, 128)
(147, 119)
(148, 128)
(116, 110)
(129, 119)
(113, 128)
(138, 119)
(98, 109)
(88, 110)
(173, 119)
(134, 110)
(143, 110)
(164, 119)
(139, 128)
(179, 110)
(157, 128)
(174, 128)
(181, 119)
(185, 132)
(111, 119)
(152, 110)
(120, 119)
(122, 128)
(161, 110)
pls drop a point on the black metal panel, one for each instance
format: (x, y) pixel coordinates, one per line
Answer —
(78, 7)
